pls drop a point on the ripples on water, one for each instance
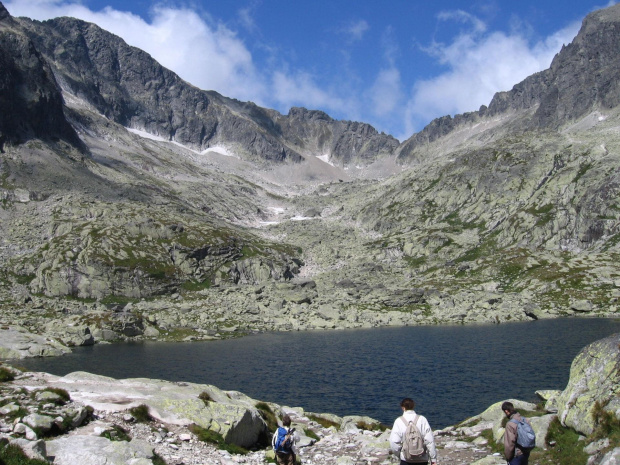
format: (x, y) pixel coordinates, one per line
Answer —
(452, 372)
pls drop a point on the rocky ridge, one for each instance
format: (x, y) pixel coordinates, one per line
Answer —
(89, 418)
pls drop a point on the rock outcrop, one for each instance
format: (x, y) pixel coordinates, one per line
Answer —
(594, 378)
(31, 103)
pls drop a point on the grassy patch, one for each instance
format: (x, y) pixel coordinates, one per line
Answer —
(324, 422)
(268, 415)
(158, 460)
(206, 435)
(141, 413)
(205, 397)
(13, 455)
(311, 434)
(6, 375)
(370, 426)
(194, 286)
(568, 448)
(117, 434)
(62, 393)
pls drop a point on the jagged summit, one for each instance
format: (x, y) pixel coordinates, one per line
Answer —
(4, 14)
(583, 77)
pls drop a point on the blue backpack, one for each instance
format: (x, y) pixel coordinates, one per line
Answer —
(526, 438)
(284, 441)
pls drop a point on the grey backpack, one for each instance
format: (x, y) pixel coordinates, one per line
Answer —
(526, 438)
(414, 448)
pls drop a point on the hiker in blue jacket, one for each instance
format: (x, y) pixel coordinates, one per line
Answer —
(283, 443)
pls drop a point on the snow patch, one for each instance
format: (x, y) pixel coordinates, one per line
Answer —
(221, 150)
(146, 135)
(301, 218)
(325, 158)
(276, 210)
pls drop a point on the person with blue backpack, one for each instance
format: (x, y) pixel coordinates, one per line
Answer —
(283, 443)
(519, 437)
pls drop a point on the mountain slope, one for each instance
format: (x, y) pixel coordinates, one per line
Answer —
(509, 213)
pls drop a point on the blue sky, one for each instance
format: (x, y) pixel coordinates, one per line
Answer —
(395, 64)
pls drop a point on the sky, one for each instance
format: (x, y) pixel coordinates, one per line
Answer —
(396, 64)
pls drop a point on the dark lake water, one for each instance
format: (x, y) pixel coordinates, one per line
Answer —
(452, 372)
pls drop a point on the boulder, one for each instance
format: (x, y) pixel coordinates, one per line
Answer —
(35, 450)
(594, 377)
(232, 414)
(97, 450)
(38, 422)
(611, 458)
(17, 342)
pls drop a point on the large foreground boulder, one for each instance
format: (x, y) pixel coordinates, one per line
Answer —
(229, 413)
(594, 377)
(96, 450)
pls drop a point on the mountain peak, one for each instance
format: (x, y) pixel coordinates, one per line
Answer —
(4, 13)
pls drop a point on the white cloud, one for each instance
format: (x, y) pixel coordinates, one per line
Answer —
(301, 89)
(479, 65)
(356, 30)
(385, 94)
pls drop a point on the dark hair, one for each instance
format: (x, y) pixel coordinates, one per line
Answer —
(508, 406)
(286, 421)
(408, 403)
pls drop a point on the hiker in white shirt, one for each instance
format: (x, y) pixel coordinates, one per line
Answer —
(398, 433)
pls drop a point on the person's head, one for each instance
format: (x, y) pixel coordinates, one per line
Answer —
(286, 421)
(508, 408)
(407, 404)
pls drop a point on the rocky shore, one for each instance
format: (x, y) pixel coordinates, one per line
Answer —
(86, 418)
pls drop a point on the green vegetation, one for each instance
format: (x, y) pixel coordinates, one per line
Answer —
(365, 426)
(158, 460)
(311, 434)
(207, 435)
(141, 413)
(6, 375)
(205, 397)
(607, 424)
(567, 448)
(62, 393)
(324, 422)
(268, 416)
(117, 434)
(11, 454)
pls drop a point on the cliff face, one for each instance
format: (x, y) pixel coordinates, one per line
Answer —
(129, 87)
(31, 104)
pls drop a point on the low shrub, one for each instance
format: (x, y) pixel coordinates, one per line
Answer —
(12, 454)
(6, 375)
(205, 397)
(141, 413)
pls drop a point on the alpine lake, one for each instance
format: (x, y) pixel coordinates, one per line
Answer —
(452, 372)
